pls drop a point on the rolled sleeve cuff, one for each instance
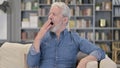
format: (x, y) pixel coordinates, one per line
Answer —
(98, 54)
(32, 51)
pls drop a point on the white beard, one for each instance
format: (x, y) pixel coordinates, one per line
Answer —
(56, 28)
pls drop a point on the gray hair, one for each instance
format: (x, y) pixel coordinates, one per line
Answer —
(64, 7)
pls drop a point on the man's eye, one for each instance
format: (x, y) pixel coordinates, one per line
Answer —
(54, 14)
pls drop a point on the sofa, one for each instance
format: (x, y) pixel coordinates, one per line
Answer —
(13, 55)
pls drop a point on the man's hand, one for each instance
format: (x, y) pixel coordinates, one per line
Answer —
(45, 28)
(41, 34)
(83, 62)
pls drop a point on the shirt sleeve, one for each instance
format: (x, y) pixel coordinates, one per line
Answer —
(33, 57)
(32, 50)
(89, 48)
(99, 54)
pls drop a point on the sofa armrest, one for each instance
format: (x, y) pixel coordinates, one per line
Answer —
(12, 55)
(92, 64)
(107, 63)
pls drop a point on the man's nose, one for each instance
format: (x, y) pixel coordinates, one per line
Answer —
(50, 16)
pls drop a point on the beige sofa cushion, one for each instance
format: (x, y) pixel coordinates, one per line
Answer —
(12, 55)
(92, 64)
(107, 63)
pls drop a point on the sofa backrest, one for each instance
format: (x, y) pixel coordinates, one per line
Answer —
(13, 55)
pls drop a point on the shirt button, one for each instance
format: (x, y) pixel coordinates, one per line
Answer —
(55, 39)
(56, 57)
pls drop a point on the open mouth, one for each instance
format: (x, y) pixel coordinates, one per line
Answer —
(51, 23)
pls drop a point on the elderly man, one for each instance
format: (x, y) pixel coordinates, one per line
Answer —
(56, 47)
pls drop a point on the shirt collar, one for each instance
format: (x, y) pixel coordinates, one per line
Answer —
(63, 33)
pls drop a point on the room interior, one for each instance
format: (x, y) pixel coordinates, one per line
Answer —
(96, 20)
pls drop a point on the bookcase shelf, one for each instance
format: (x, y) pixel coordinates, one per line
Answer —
(103, 41)
(84, 5)
(88, 28)
(116, 5)
(95, 20)
(103, 28)
(84, 17)
(103, 10)
(29, 10)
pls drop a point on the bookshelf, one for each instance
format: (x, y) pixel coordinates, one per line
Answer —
(95, 20)
(29, 20)
(103, 25)
(116, 29)
(85, 19)
(116, 20)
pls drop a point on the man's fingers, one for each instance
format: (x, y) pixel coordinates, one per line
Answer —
(46, 25)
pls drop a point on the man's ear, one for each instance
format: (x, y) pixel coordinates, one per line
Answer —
(65, 20)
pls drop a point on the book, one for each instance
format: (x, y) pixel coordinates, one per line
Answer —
(72, 2)
(105, 47)
(40, 23)
(34, 6)
(83, 23)
(30, 35)
(102, 23)
(108, 5)
(71, 24)
(79, 24)
(87, 12)
(24, 36)
(49, 2)
(82, 34)
(116, 35)
(28, 6)
(25, 23)
(88, 23)
(33, 20)
(77, 11)
(78, 2)
(90, 36)
(116, 2)
(97, 36)
(103, 36)
(117, 10)
(72, 11)
(118, 23)
(41, 11)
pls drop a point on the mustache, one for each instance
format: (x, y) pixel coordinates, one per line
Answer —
(51, 23)
(56, 27)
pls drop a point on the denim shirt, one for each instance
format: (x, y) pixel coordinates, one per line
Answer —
(62, 52)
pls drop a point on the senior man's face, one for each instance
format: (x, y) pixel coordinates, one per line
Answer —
(56, 17)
